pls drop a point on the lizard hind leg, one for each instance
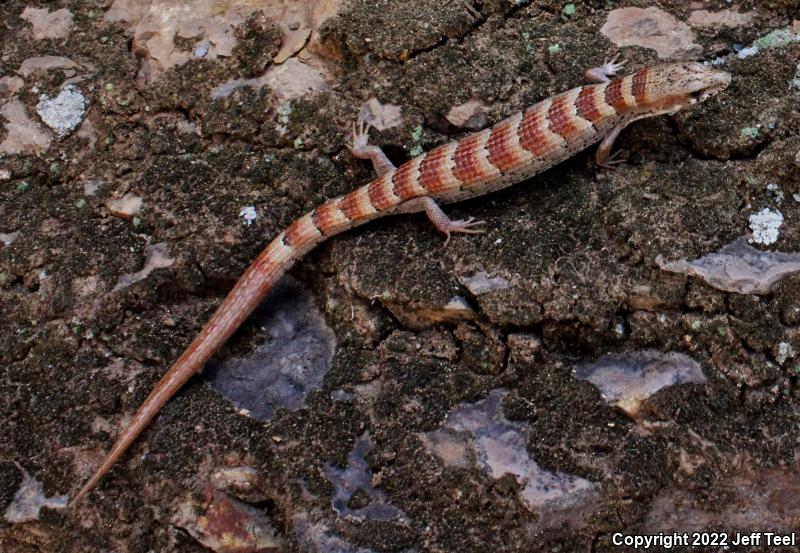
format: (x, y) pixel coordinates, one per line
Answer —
(604, 158)
(360, 147)
(438, 217)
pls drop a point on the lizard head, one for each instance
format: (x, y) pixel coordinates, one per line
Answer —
(671, 87)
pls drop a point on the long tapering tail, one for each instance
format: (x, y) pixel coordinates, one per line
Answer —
(298, 239)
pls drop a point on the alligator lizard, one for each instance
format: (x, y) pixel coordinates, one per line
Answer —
(513, 150)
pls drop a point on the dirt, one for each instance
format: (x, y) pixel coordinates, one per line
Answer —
(576, 247)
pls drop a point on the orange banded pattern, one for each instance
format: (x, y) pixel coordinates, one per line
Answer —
(532, 133)
(381, 194)
(326, 217)
(561, 120)
(356, 204)
(404, 181)
(513, 150)
(300, 230)
(639, 87)
(468, 168)
(587, 104)
(502, 151)
(615, 96)
(434, 175)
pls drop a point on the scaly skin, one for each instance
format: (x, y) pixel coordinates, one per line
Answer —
(514, 150)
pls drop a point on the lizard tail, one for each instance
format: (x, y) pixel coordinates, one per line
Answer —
(330, 218)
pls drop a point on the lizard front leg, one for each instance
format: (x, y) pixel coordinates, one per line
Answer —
(438, 217)
(362, 149)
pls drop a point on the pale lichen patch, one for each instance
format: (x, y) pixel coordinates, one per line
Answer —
(156, 257)
(381, 116)
(29, 499)
(472, 114)
(64, 112)
(126, 207)
(765, 226)
(738, 267)
(23, 134)
(650, 28)
(729, 17)
(480, 434)
(47, 24)
(626, 381)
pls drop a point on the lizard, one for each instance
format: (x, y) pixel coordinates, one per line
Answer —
(513, 150)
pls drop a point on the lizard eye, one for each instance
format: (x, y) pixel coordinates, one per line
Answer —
(697, 95)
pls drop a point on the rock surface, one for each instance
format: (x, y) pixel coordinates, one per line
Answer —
(221, 109)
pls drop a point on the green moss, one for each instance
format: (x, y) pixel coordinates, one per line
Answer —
(416, 135)
(526, 37)
(779, 37)
(750, 132)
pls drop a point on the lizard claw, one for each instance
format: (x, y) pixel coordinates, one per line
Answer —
(463, 226)
(611, 67)
(612, 161)
(360, 136)
(360, 147)
(603, 73)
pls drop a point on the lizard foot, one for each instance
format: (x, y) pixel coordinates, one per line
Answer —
(359, 141)
(611, 68)
(360, 147)
(612, 161)
(604, 73)
(464, 226)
